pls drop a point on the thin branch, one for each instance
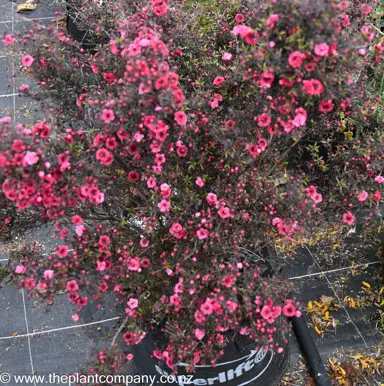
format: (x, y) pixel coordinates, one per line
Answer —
(288, 150)
(377, 29)
(125, 321)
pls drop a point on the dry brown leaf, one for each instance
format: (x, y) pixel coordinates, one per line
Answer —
(26, 7)
(280, 181)
(349, 369)
(310, 382)
(315, 319)
(327, 300)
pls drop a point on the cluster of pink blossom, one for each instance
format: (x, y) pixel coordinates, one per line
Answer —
(189, 160)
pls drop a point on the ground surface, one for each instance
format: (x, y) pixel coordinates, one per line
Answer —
(34, 340)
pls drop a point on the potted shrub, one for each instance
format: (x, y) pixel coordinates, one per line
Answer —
(167, 163)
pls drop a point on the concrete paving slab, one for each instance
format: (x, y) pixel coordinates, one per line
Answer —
(12, 312)
(14, 358)
(5, 76)
(5, 28)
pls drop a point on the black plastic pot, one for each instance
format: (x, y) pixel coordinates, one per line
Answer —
(309, 349)
(76, 33)
(237, 367)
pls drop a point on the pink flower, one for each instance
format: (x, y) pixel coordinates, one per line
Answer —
(241, 30)
(30, 158)
(288, 127)
(215, 102)
(80, 230)
(144, 242)
(164, 206)
(166, 191)
(367, 9)
(109, 77)
(199, 334)
(309, 67)
(362, 196)
(322, 49)
(218, 81)
(75, 317)
(182, 151)
(20, 269)
(199, 182)
(227, 281)
(264, 120)
(72, 285)
(134, 264)
(265, 312)
(239, 18)
(62, 251)
(231, 305)
(104, 156)
(95, 69)
(311, 190)
(138, 137)
(159, 159)
(211, 198)
(41, 129)
(266, 80)
(202, 233)
(8, 40)
(206, 308)
(181, 118)
(48, 274)
(104, 240)
(144, 42)
(99, 198)
(151, 182)
(296, 58)
(103, 286)
(179, 289)
(143, 89)
(349, 218)
(326, 106)
(133, 176)
(313, 87)
(300, 118)
(133, 303)
(272, 20)
(27, 60)
(289, 309)
(77, 219)
(276, 311)
(177, 230)
(158, 354)
(199, 317)
(262, 143)
(5, 119)
(101, 265)
(379, 179)
(251, 37)
(317, 198)
(362, 52)
(224, 212)
(23, 87)
(107, 116)
(226, 56)
(175, 300)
